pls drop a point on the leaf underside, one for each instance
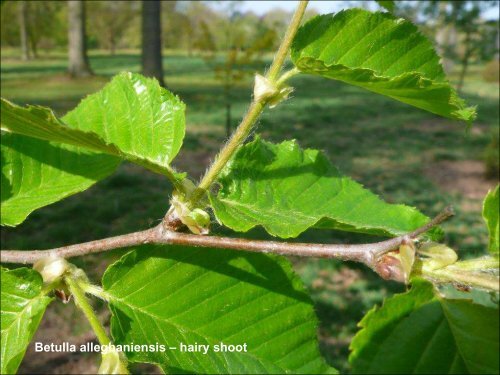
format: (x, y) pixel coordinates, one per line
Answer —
(419, 332)
(380, 53)
(174, 295)
(36, 173)
(287, 190)
(22, 308)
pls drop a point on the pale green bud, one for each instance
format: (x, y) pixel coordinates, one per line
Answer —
(197, 220)
(112, 362)
(436, 256)
(51, 268)
(407, 258)
(264, 89)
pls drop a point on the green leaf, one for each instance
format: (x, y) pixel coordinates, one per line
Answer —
(388, 5)
(287, 190)
(131, 117)
(22, 308)
(134, 113)
(380, 53)
(40, 122)
(490, 215)
(36, 173)
(173, 294)
(419, 332)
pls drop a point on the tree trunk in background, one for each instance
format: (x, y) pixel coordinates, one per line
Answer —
(151, 40)
(23, 10)
(77, 45)
(112, 44)
(497, 44)
(465, 62)
(34, 46)
(446, 38)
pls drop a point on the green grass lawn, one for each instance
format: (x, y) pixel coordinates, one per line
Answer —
(403, 154)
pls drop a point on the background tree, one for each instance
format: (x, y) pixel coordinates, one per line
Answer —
(173, 26)
(77, 45)
(466, 16)
(110, 20)
(45, 25)
(461, 34)
(9, 30)
(198, 14)
(244, 40)
(23, 30)
(151, 40)
(277, 20)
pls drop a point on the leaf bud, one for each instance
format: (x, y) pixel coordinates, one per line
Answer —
(436, 256)
(265, 90)
(51, 268)
(112, 362)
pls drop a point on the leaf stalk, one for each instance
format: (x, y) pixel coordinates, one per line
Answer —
(82, 302)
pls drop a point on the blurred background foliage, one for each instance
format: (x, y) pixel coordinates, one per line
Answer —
(210, 51)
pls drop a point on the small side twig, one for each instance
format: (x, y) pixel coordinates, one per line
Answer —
(368, 254)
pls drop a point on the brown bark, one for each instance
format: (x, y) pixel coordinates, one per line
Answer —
(151, 40)
(77, 46)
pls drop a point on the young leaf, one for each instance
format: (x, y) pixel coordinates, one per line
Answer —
(419, 332)
(22, 308)
(380, 53)
(287, 190)
(179, 295)
(490, 215)
(135, 114)
(36, 173)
